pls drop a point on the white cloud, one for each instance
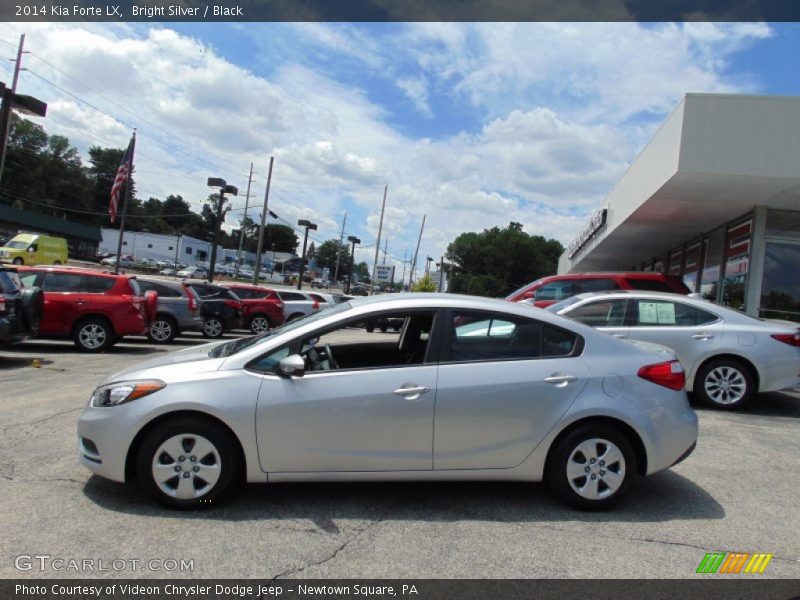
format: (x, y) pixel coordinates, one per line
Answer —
(557, 106)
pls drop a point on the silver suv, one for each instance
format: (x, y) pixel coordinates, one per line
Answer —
(178, 309)
(297, 304)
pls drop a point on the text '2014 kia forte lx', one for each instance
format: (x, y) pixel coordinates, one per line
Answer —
(468, 389)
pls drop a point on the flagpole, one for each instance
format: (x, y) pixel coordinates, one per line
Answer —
(125, 202)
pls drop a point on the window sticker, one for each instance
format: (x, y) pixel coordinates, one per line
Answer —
(656, 313)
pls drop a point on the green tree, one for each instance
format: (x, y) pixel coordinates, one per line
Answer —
(361, 270)
(424, 284)
(497, 261)
(327, 254)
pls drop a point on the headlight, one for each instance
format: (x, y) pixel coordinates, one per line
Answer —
(124, 391)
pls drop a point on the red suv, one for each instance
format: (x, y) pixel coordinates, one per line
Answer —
(549, 290)
(94, 308)
(263, 309)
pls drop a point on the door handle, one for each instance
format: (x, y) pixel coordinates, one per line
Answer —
(560, 380)
(80, 301)
(620, 336)
(703, 336)
(411, 393)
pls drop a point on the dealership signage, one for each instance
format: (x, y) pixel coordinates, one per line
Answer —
(597, 223)
(384, 273)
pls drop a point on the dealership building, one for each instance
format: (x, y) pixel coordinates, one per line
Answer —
(714, 198)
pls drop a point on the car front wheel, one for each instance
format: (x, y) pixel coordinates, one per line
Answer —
(592, 467)
(213, 327)
(725, 383)
(188, 463)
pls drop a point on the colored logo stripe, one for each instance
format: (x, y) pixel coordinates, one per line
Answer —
(733, 562)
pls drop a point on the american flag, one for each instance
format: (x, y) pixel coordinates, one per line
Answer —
(121, 178)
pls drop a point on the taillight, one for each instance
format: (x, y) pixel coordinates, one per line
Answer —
(2, 304)
(793, 339)
(190, 294)
(669, 374)
(315, 306)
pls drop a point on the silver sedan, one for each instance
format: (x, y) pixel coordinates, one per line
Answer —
(469, 388)
(728, 355)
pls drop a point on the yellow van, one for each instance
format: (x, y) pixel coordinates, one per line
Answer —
(34, 249)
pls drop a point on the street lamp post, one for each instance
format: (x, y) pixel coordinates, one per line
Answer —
(307, 225)
(353, 241)
(224, 188)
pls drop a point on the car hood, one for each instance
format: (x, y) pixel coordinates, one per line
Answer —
(195, 359)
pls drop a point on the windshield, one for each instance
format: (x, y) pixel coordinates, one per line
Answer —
(554, 308)
(235, 346)
(19, 245)
(520, 290)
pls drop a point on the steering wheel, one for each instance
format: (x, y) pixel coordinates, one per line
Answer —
(329, 354)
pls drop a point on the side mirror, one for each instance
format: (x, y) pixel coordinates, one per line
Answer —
(292, 366)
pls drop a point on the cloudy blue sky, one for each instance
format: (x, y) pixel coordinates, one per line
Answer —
(474, 125)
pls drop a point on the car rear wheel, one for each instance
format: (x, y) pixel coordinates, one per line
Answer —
(56, 262)
(592, 467)
(94, 335)
(213, 327)
(163, 330)
(18, 261)
(188, 463)
(259, 324)
(725, 383)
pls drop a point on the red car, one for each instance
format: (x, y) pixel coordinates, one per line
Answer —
(94, 308)
(263, 309)
(549, 290)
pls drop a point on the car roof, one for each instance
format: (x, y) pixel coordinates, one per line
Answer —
(71, 269)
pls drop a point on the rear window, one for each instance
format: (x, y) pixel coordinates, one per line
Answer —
(318, 298)
(246, 294)
(9, 281)
(648, 285)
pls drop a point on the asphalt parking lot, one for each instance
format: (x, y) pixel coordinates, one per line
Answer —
(737, 492)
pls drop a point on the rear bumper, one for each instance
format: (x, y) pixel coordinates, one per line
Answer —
(12, 331)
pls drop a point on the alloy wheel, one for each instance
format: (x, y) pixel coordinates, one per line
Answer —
(213, 327)
(92, 336)
(725, 385)
(259, 324)
(161, 331)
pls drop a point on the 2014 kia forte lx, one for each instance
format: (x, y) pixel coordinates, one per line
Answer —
(469, 388)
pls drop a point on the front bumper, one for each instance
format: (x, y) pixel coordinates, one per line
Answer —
(104, 437)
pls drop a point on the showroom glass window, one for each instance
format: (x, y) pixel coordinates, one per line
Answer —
(737, 264)
(780, 287)
(713, 249)
(691, 266)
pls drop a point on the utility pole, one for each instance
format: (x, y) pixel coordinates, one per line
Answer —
(403, 280)
(244, 218)
(339, 250)
(6, 124)
(441, 274)
(414, 262)
(378, 242)
(263, 219)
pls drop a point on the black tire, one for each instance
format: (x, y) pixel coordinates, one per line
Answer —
(370, 327)
(567, 450)
(259, 323)
(18, 261)
(32, 306)
(94, 334)
(186, 431)
(383, 327)
(213, 327)
(163, 330)
(725, 384)
(56, 262)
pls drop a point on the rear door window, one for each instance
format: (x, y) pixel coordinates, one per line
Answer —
(162, 290)
(602, 313)
(667, 313)
(62, 282)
